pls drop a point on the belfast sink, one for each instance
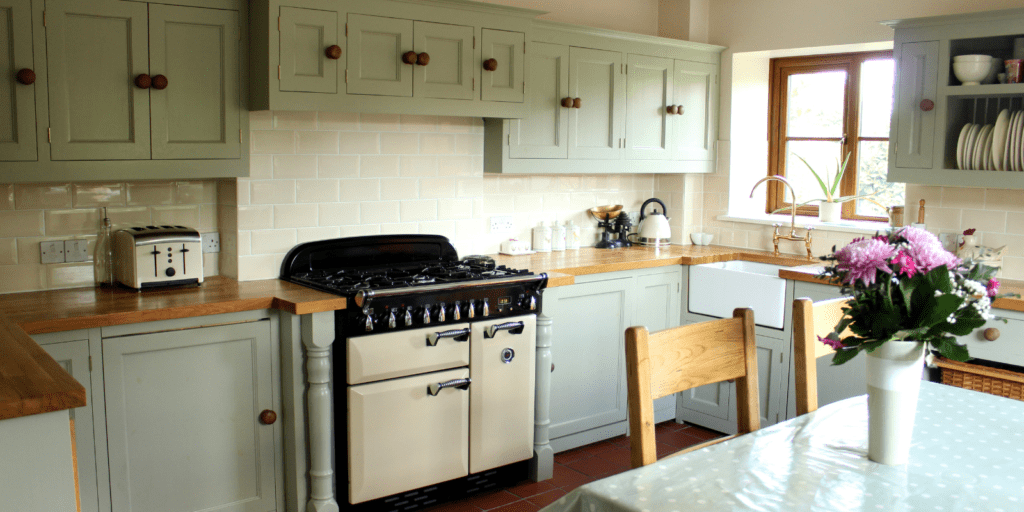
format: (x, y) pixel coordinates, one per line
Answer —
(716, 289)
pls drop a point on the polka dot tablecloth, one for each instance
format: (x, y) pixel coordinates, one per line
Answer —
(967, 454)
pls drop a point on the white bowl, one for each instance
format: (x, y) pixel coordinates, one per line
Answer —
(993, 72)
(705, 238)
(972, 58)
(972, 73)
(696, 238)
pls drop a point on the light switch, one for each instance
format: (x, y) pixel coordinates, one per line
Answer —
(51, 252)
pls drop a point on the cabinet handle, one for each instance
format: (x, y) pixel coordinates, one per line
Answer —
(268, 417)
(927, 105)
(567, 102)
(576, 103)
(490, 65)
(423, 59)
(679, 110)
(671, 109)
(409, 58)
(143, 81)
(159, 82)
(26, 76)
(434, 389)
(552, 366)
(991, 334)
(333, 52)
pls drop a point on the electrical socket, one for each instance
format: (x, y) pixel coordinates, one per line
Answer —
(76, 250)
(51, 252)
(634, 218)
(211, 242)
(501, 224)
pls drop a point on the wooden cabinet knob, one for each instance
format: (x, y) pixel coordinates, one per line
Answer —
(333, 52)
(143, 81)
(159, 82)
(268, 417)
(490, 65)
(26, 76)
(991, 334)
(671, 109)
(679, 110)
(576, 103)
(409, 58)
(927, 105)
(567, 102)
(552, 366)
(423, 59)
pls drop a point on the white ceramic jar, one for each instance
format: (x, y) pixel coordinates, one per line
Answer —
(558, 233)
(542, 238)
(572, 236)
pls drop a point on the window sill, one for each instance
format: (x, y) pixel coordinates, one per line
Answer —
(846, 226)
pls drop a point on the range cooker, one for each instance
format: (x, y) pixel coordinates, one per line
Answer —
(438, 358)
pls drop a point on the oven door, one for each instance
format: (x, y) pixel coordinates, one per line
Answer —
(502, 395)
(401, 437)
(397, 354)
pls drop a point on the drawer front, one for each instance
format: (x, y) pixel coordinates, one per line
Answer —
(398, 354)
(1007, 348)
(502, 394)
(402, 438)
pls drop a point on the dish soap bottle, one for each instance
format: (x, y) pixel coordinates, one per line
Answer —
(102, 261)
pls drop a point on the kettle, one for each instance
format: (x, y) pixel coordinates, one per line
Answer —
(654, 230)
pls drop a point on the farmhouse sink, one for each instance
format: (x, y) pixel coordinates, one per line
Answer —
(716, 289)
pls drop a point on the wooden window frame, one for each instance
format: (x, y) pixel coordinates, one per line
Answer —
(780, 70)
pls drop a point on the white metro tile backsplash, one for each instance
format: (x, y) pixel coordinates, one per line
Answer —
(36, 212)
(319, 175)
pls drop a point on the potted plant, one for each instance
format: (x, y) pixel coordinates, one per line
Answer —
(830, 207)
(908, 293)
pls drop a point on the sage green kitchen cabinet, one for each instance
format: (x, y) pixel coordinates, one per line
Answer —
(17, 100)
(183, 427)
(596, 125)
(447, 40)
(589, 321)
(649, 98)
(695, 123)
(918, 72)
(544, 133)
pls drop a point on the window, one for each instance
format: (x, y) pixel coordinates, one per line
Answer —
(822, 108)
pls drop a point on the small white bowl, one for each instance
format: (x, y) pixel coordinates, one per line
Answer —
(696, 238)
(972, 58)
(972, 73)
(993, 72)
(705, 238)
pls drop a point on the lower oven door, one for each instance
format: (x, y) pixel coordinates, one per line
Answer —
(400, 437)
(502, 355)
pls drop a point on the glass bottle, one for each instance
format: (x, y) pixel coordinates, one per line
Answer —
(103, 259)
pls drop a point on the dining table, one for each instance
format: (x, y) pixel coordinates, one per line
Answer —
(967, 454)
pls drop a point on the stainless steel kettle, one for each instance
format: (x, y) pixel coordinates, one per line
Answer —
(654, 230)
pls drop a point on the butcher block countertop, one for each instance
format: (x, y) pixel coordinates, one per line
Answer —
(31, 382)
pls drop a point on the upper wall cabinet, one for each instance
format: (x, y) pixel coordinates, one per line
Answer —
(446, 57)
(930, 140)
(152, 90)
(607, 102)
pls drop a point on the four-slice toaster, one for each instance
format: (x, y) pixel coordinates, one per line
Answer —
(152, 256)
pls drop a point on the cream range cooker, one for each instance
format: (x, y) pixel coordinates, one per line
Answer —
(438, 358)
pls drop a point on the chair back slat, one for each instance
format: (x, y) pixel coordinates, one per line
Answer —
(713, 352)
(810, 320)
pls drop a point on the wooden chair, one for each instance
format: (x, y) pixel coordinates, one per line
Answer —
(682, 358)
(810, 320)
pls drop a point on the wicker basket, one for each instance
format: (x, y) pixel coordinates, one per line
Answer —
(994, 381)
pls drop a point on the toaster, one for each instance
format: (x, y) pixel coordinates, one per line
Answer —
(153, 256)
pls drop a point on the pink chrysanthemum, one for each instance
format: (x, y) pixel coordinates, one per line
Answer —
(835, 344)
(992, 287)
(927, 251)
(905, 264)
(862, 260)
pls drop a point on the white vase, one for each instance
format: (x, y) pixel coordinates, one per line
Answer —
(830, 212)
(894, 381)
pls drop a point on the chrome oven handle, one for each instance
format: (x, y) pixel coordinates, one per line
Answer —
(434, 389)
(511, 327)
(456, 334)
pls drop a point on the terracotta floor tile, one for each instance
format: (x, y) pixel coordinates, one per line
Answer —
(566, 478)
(455, 506)
(528, 488)
(666, 449)
(620, 441)
(570, 456)
(619, 456)
(596, 466)
(518, 506)
(547, 498)
(493, 499)
(598, 447)
(701, 432)
(678, 438)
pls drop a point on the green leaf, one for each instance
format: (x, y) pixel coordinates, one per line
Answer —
(952, 350)
(840, 170)
(842, 356)
(824, 187)
(943, 306)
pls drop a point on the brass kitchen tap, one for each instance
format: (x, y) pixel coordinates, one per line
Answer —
(806, 239)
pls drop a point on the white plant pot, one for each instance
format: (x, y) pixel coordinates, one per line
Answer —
(894, 381)
(830, 212)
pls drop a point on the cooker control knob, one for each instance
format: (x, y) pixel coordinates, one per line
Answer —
(440, 312)
(486, 311)
(456, 314)
(408, 317)
(472, 309)
(392, 323)
(426, 314)
(369, 323)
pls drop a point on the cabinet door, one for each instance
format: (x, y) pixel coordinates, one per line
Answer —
(648, 93)
(658, 299)
(74, 357)
(197, 115)
(17, 100)
(375, 48)
(544, 132)
(451, 70)
(506, 82)
(917, 78)
(182, 419)
(305, 35)
(772, 371)
(595, 129)
(695, 128)
(589, 322)
(94, 51)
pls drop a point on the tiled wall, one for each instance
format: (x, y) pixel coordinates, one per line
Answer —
(32, 213)
(323, 175)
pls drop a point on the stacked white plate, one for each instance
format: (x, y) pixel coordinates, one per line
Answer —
(993, 147)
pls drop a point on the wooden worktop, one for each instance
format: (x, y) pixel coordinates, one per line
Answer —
(31, 382)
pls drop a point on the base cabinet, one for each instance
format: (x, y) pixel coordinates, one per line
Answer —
(589, 319)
